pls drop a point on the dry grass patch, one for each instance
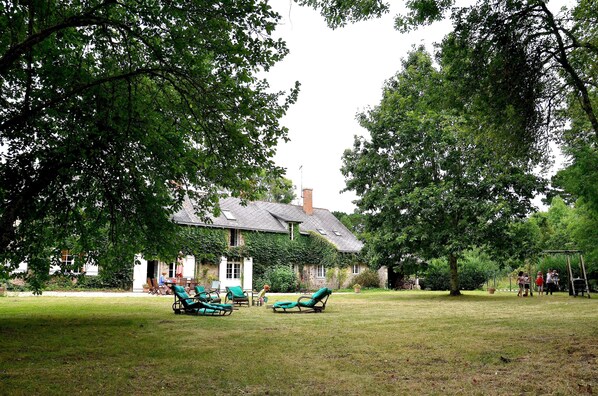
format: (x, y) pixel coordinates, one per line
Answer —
(372, 343)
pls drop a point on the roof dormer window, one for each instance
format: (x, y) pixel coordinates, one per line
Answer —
(229, 215)
(321, 231)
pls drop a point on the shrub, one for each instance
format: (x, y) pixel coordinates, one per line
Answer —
(472, 274)
(471, 277)
(437, 276)
(367, 278)
(281, 279)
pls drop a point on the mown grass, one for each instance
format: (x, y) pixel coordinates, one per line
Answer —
(363, 344)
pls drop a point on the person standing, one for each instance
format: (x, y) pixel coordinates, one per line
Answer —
(520, 283)
(540, 283)
(179, 267)
(526, 284)
(549, 282)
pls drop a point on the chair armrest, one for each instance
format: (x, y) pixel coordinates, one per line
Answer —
(304, 297)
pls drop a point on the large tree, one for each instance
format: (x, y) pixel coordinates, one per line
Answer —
(427, 187)
(522, 59)
(110, 112)
(520, 63)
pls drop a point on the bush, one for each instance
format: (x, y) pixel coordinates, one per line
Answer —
(471, 278)
(437, 276)
(472, 274)
(367, 278)
(281, 279)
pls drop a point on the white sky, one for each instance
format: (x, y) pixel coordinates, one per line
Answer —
(341, 72)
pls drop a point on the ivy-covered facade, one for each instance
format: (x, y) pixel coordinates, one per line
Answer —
(245, 241)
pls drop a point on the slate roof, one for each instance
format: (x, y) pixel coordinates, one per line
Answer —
(274, 217)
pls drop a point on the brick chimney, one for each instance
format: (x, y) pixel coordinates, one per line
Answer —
(308, 206)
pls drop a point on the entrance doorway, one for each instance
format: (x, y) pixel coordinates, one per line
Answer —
(152, 269)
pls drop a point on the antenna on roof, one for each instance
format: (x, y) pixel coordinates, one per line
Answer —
(301, 186)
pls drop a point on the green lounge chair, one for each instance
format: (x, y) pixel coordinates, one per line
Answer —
(315, 303)
(236, 295)
(194, 306)
(206, 296)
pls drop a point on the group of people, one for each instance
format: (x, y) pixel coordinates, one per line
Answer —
(543, 286)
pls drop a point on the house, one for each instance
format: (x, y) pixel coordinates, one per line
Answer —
(297, 226)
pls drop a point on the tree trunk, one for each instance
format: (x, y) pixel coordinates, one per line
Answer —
(454, 275)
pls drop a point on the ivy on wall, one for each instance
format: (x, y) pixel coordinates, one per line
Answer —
(206, 244)
(266, 249)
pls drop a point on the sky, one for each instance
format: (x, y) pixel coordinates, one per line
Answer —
(342, 73)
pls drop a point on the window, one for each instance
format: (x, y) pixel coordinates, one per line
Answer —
(229, 215)
(321, 231)
(337, 233)
(67, 261)
(321, 272)
(292, 231)
(66, 258)
(235, 238)
(356, 269)
(233, 270)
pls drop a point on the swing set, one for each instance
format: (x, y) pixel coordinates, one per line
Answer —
(577, 285)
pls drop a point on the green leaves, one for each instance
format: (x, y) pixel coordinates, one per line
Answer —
(338, 12)
(111, 112)
(428, 188)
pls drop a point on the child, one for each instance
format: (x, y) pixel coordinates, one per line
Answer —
(261, 296)
(549, 282)
(520, 283)
(526, 284)
(540, 282)
(555, 280)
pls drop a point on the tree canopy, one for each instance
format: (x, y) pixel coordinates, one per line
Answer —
(427, 187)
(520, 63)
(110, 112)
(275, 189)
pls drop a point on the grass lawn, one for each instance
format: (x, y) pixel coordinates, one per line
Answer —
(371, 343)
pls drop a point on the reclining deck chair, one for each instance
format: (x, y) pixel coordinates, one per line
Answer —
(236, 295)
(188, 305)
(315, 303)
(207, 296)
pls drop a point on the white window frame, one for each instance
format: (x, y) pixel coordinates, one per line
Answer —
(67, 259)
(233, 268)
(234, 237)
(356, 269)
(292, 231)
(320, 271)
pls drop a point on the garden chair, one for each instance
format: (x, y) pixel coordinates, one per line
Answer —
(193, 306)
(152, 289)
(207, 296)
(159, 289)
(215, 287)
(236, 295)
(304, 304)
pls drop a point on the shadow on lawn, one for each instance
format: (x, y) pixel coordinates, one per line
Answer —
(416, 295)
